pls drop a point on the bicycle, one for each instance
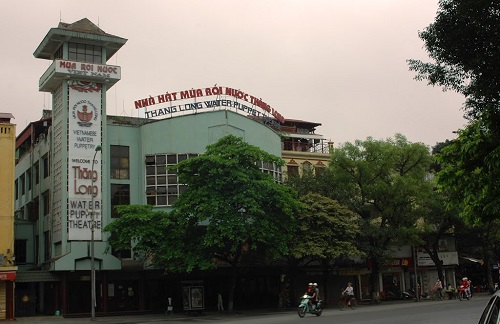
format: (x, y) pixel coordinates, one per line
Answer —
(344, 303)
(437, 295)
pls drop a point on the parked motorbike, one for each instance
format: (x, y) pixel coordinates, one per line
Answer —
(409, 294)
(391, 295)
(304, 307)
(463, 293)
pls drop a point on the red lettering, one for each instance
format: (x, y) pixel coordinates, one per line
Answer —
(87, 67)
(67, 65)
(107, 69)
(141, 103)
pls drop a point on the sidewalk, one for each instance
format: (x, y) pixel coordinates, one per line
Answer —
(146, 318)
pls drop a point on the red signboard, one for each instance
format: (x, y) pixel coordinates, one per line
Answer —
(8, 276)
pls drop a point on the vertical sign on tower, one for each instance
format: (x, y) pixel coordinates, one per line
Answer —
(84, 174)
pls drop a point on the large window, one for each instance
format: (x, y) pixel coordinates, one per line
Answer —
(46, 246)
(22, 181)
(46, 166)
(162, 185)
(292, 170)
(120, 195)
(272, 170)
(119, 162)
(36, 172)
(28, 179)
(20, 251)
(85, 53)
(46, 203)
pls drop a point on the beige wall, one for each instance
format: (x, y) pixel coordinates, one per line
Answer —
(7, 169)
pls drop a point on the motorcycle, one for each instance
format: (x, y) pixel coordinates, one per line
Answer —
(463, 293)
(304, 307)
(409, 294)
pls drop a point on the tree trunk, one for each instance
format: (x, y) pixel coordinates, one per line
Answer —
(374, 281)
(230, 300)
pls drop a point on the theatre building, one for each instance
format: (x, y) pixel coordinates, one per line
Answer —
(76, 163)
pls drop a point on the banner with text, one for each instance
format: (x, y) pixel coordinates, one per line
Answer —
(84, 172)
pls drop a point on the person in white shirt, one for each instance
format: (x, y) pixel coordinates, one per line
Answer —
(349, 293)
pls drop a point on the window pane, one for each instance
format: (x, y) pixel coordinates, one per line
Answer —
(161, 159)
(172, 199)
(172, 159)
(150, 160)
(160, 169)
(150, 180)
(161, 200)
(172, 179)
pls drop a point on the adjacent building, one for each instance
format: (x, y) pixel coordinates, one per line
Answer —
(7, 253)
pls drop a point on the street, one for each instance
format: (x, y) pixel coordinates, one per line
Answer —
(407, 312)
(428, 312)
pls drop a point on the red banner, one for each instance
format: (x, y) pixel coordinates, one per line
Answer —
(8, 276)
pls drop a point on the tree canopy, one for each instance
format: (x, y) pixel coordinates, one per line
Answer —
(385, 183)
(464, 43)
(470, 173)
(325, 230)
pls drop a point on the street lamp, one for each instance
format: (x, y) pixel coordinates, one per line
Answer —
(98, 148)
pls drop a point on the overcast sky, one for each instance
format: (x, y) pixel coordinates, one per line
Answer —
(341, 63)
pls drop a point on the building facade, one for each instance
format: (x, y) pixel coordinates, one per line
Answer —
(76, 163)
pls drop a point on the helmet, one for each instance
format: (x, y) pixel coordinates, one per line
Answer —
(310, 284)
(315, 284)
(464, 278)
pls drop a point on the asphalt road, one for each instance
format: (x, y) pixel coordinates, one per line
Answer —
(428, 312)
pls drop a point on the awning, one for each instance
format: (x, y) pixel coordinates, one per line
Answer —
(309, 136)
(472, 260)
(36, 276)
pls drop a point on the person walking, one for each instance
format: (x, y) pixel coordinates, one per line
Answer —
(220, 303)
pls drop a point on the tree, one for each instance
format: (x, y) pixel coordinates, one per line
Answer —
(464, 42)
(229, 210)
(436, 223)
(326, 232)
(470, 174)
(384, 182)
(470, 169)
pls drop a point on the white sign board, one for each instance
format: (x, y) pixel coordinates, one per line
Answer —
(84, 172)
(448, 258)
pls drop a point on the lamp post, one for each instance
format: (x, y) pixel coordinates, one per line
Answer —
(98, 148)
